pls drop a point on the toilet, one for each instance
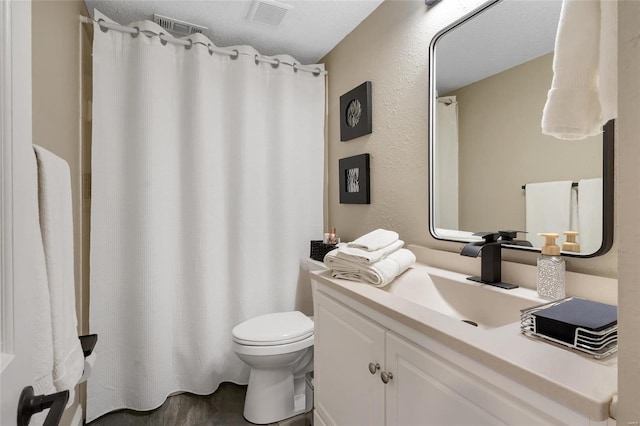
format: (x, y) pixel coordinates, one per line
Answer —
(278, 348)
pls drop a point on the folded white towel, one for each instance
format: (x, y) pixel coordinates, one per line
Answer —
(56, 226)
(583, 95)
(378, 274)
(590, 214)
(365, 257)
(375, 240)
(548, 209)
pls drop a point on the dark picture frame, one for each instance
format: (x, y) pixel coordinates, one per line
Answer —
(355, 112)
(354, 180)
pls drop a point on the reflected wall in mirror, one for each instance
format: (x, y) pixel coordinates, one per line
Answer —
(490, 74)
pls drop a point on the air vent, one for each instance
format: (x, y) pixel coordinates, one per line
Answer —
(268, 12)
(175, 26)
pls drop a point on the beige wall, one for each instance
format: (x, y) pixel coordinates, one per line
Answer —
(628, 190)
(502, 148)
(390, 49)
(60, 54)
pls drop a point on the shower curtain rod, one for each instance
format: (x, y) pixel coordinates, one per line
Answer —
(233, 53)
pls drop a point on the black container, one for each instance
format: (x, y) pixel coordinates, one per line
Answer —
(320, 249)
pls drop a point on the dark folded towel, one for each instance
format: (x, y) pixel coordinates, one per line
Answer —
(560, 321)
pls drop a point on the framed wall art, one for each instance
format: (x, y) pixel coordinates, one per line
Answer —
(355, 112)
(354, 180)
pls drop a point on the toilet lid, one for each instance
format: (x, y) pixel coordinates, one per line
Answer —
(273, 329)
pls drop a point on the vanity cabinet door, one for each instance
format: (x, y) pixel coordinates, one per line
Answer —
(346, 392)
(426, 389)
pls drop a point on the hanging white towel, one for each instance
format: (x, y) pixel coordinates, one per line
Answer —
(375, 240)
(56, 226)
(43, 336)
(590, 214)
(378, 274)
(548, 209)
(583, 95)
(364, 257)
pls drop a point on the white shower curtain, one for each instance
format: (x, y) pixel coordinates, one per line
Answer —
(446, 155)
(207, 183)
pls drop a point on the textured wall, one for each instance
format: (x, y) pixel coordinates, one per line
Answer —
(628, 155)
(390, 48)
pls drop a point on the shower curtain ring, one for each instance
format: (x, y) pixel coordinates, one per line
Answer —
(136, 34)
(103, 29)
(317, 72)
(255, 58)
(190, 44)
(295, 67)
(210, 49)
(277, 64)
(162, 41)
(237, 54)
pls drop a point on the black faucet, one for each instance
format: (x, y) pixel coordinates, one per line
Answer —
(491, 246)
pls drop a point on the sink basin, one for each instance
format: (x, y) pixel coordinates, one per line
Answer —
(451, 294)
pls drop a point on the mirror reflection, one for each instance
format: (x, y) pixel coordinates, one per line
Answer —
(492, 168)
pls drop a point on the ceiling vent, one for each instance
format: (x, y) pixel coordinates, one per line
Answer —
(268, 12)
(177, 27)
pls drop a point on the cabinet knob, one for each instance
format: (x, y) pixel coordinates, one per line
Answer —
(373, 367)
(386, 377)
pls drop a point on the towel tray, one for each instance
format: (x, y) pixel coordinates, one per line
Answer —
(599, 344)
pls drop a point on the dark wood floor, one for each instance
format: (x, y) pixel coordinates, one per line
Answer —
(222, 408)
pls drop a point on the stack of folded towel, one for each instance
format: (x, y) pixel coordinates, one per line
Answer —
(376, 258)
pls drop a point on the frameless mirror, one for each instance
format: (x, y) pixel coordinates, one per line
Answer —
(489, 77)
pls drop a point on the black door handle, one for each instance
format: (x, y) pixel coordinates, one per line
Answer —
(30, 404)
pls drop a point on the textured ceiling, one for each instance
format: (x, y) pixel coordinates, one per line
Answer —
(508, 34)
(310, 30)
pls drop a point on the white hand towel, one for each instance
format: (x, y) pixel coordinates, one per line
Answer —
(590, 214)
(357, 255)
(548, 209)
(583, 95)
(43, 336)
(375, 240)
(56, 226)
(378, 274)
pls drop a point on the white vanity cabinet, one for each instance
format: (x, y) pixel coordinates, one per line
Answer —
(426, 382)
(345, 342)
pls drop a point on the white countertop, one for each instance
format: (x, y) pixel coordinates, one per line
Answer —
(575, 380)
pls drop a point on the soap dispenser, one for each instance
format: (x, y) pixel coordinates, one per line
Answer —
(571, 244)
(551, 269)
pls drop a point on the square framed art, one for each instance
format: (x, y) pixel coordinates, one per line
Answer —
(354, 180)
(355, 112)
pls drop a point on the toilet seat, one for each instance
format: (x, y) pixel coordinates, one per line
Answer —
(239, 348)
(276, 329)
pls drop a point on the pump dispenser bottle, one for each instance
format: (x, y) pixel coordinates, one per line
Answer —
(551, 269)
(571, 244)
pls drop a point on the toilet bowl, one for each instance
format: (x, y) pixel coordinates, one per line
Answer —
(279, 350)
